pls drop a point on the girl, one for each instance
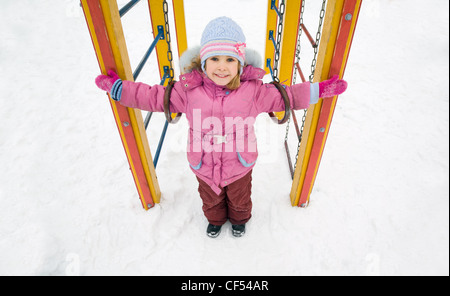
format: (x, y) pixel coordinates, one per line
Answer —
(221, 93)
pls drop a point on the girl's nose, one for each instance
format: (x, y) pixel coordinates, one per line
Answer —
(221, 66)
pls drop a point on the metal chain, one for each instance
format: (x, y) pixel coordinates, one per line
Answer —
(313, 66)
(300, 30)
(297, 60)
(169, 50)
(316, 48)
(279, 35)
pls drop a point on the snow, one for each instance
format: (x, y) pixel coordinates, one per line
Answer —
(69, 204)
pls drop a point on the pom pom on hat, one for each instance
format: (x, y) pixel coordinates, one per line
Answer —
(222, 36)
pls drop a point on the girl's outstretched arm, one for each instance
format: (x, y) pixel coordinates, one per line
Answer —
(140, 95)
(301, 95)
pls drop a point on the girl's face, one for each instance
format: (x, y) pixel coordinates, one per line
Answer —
(221, 69)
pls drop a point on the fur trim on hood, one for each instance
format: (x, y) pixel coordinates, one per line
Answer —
(252, 57)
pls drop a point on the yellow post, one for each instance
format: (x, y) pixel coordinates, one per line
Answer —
(290, 33)
(338, 29)
(180, 26)
(289, 41)
(157, 19)
(105, 27)
(331, 21)
(119, 48)
(271, 25)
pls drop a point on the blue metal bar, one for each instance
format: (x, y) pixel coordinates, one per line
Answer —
(161, 141)
(268, 65)
(273, 39)
(160, 36)
(127, 7)
(147, 119)
(165, 76)
(163, 134)
(149, 114)
(274, 7)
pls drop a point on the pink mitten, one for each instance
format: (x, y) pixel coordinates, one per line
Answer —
(105, 82)
(332, 87)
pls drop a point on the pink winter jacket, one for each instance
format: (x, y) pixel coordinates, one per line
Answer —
(222, 142)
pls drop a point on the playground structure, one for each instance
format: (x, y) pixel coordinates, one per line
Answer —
(285, 27)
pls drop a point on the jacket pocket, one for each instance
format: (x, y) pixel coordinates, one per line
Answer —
(247, 159)
(195, 160)
(195, 151)
(246, 148)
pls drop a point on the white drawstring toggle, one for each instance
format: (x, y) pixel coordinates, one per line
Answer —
(220, 139)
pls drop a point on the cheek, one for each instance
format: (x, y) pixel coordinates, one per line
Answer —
(234, 71)
(209, 72)
(209, 67)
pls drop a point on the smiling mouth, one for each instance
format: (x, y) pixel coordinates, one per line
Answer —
(221, 76)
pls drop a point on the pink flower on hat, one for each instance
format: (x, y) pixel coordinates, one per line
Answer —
(240, 49)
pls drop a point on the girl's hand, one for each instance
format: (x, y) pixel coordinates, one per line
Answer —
(106, 82)
(332, 87)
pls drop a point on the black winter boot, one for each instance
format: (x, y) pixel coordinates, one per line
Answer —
(238, 230)
(213, 230)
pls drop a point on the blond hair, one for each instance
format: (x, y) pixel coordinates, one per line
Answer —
(196, 64)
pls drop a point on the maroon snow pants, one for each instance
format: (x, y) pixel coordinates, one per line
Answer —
(233, 203)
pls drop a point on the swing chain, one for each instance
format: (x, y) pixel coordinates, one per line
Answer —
(313, 66)
(297, 60)
(318, 35)
(297, 52)
(282, 9)
(169, 50)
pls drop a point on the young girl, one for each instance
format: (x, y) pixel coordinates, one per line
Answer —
(221, 93)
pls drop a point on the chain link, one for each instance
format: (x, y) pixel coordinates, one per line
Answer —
(297, 56)
(281, 9)
(168, 40)
(316, 47)
(313, 67)
(294, 79)
(298, 50)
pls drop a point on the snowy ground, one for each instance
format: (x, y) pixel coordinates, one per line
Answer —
(68, 204)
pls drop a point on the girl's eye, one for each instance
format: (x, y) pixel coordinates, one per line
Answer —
(215, 59)
(230, 60)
